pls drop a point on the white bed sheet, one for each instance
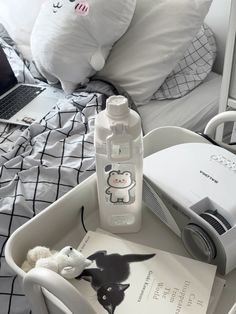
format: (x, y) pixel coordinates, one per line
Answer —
(192, 111)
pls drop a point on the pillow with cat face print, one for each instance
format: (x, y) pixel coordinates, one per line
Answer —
(71, 39)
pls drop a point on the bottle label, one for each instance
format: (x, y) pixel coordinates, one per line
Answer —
(119, 147)
(120, 150)
(120, 184)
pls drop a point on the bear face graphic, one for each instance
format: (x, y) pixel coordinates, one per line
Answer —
(120, 184)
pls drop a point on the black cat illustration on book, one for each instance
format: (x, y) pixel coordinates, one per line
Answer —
(109, 276)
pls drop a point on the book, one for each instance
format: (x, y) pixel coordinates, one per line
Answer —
(216, 292)
(128, 276)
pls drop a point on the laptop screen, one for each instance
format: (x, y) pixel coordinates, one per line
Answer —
(7, 76)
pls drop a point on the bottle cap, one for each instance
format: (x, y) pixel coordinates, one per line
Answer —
(117, 107)
(117, 115)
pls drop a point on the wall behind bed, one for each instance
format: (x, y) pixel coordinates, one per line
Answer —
(217, 19)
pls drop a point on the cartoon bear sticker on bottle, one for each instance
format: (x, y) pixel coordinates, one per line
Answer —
(120, 184)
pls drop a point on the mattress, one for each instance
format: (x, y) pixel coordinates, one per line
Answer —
(192, 111)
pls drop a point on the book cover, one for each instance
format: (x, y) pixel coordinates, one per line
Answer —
(129, 276)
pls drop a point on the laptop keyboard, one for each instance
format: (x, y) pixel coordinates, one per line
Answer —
(17, 99)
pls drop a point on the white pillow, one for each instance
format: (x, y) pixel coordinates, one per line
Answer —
(18, 17)
(159, 33)
(192, 69)
(71, 39)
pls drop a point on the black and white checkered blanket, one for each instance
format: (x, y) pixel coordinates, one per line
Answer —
(37, 166)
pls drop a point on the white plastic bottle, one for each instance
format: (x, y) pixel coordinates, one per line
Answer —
(119, 166)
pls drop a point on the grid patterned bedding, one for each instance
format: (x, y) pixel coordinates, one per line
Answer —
(37, 166)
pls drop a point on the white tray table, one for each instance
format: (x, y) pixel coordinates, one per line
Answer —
(60, 225)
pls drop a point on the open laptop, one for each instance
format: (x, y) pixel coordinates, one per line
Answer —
(23, 103)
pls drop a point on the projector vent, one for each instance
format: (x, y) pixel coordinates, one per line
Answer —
(153, 201)
(217, 221)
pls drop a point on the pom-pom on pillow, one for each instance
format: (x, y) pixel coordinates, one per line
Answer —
(71, 39)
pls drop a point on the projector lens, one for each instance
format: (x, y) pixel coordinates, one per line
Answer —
(198, 243)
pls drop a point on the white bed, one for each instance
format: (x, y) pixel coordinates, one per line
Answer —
(192, 111)
(33, 163)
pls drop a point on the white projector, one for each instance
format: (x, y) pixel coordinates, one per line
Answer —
(192, 188)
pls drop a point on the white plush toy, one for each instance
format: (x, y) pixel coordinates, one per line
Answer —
(34, 255)
(71, 39)
(68, 262)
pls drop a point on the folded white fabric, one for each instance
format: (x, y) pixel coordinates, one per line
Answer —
(71, 39)
(19, 68)
(156, 40)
